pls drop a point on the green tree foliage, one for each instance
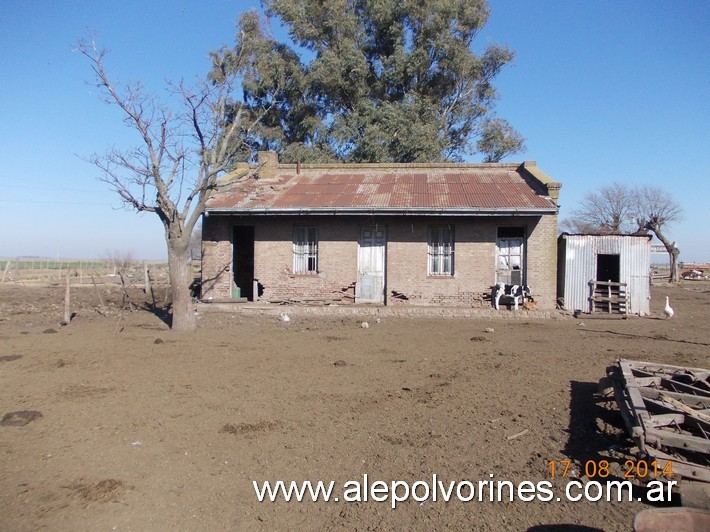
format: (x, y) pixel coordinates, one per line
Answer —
(374, 81)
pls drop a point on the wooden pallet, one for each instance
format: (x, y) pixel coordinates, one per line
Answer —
(608, 297)
(666, 410)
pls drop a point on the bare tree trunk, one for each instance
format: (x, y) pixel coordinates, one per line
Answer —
(180, 272)
(673, 253)
(148, 284)
(674, 263)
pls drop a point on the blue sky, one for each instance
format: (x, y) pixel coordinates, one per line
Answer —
(603, 91)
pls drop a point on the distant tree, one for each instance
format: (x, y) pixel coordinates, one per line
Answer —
(181, 151)
(384, 81)
(121, 261)
(608, 210)
(620, 209)
(654, 210)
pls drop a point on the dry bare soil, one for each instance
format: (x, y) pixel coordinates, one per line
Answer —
(145, 429)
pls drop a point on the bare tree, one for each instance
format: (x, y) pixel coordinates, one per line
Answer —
(619, 209)
(608, 210)
(122, 261)
(180, 155)
(654, 210)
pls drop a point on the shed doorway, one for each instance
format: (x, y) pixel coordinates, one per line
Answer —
(243, 262)
(608, 268)
(608, 294)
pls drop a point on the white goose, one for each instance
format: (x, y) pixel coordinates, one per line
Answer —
(668, 311)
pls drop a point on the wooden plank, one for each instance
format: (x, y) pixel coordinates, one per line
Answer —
(688, 400)
(656, 405)
(684, 408)
(680, 467)
(648, 381)
(659, 437)
(664, 420)
(642, 373)
(684, 388)
(634, 395)
(685, 423)
(607, 283)
(609, 293)
(663, 367)
(627, 413)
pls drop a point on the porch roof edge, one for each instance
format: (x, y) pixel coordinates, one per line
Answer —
(399, 211)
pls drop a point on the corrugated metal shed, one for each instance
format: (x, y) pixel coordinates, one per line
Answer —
(578, 259)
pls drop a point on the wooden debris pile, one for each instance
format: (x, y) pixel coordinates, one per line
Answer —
(666, 409)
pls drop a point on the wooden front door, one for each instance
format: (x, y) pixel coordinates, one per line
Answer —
(370, 287)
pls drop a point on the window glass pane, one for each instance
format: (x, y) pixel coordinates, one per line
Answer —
(511, 232)
(510, 244)
(441, 250)
(305, 250)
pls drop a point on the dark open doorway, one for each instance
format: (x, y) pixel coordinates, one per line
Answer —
(608, 268)
(243, 260)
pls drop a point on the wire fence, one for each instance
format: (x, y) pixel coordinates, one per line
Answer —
(81, 271)
(57, 264)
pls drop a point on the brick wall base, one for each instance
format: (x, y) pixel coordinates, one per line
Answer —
(407, 282)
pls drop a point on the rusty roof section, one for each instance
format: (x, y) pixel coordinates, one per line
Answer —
(390, 188)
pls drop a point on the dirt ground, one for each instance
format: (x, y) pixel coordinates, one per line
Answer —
(145, 429)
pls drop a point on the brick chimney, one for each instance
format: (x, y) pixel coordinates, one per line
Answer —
(268, 164)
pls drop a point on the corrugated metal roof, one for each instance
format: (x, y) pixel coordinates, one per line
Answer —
(385, 187)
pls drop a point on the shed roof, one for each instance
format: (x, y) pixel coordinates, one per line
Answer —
(464, 189)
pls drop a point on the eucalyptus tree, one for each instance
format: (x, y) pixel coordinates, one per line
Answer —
(381, 81)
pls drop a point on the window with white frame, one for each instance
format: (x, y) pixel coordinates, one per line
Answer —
(510, 266)
(441, 250)
(305, 250)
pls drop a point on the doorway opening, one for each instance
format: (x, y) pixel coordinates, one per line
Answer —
(243, 262)
(608, 268)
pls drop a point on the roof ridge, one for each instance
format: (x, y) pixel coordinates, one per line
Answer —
(394, 166)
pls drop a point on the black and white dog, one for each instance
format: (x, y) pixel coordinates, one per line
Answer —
(514, 291)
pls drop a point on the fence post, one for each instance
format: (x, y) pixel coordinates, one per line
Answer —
(67, 300)
(148, 284)
(98, 294)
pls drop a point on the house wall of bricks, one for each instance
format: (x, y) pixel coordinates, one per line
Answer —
(407, 282)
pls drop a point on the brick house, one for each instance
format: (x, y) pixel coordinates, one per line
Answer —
(390, 234)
